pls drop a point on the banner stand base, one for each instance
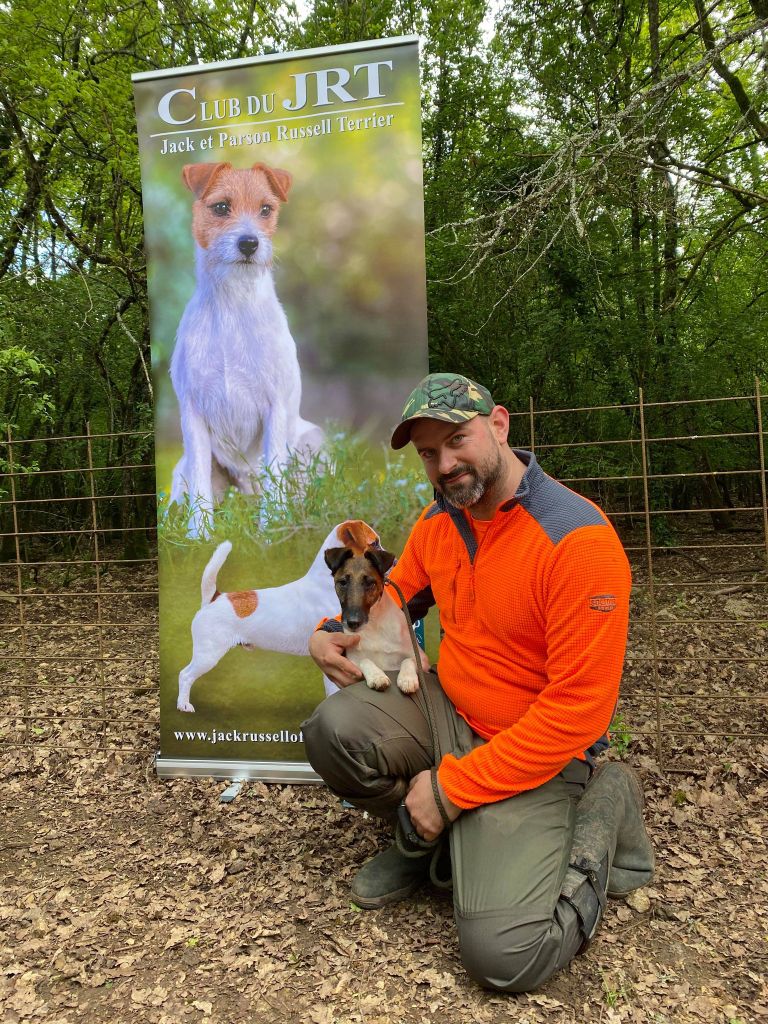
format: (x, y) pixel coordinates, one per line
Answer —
(237, 771)
(232, 791)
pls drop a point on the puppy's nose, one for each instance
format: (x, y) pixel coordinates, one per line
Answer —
(353, 622)
(248, 246)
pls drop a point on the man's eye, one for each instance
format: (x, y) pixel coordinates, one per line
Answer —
(266, 209)
(220, 209)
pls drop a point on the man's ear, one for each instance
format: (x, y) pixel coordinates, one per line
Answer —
(383, 560)
(336, 557)
(499, 423)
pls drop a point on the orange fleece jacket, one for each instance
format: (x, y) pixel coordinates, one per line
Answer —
(535, 621)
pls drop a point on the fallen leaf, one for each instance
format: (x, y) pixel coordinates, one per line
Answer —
(639, 901)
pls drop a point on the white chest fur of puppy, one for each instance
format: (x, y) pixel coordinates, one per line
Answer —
(366, 611)
(234, 367)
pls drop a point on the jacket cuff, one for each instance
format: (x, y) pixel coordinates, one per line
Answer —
(329, 626)
(448, 773)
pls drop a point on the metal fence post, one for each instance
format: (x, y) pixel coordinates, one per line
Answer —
(531, 414)
(761, 452)
(97, 565)
(20, 589)
(651, 588)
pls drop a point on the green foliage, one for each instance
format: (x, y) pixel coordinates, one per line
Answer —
(616, 990)
(607, 237)
(594, 197)
(309, 497)
(621, 735)
(22, 376)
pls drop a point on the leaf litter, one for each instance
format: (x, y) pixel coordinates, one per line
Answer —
(119, 898)
(126, 897)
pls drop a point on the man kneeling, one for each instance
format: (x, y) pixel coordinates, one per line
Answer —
(532, 586)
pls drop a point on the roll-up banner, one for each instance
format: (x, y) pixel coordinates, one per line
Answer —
(284, 233)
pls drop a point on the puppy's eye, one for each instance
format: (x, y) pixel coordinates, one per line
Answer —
(220, 209)
(369, 583)
(343, 581)
(265, 210)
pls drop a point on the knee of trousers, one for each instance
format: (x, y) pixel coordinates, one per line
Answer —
(341, 744)
(327, 734)
(506, 954)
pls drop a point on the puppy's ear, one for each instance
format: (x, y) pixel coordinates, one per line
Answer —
(336, 557)
(279, 181)
(357, 535)
(199, 177)
(383, 560)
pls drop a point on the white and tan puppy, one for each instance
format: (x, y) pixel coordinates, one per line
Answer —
(385, 642)
(234, 367)
(275, 619)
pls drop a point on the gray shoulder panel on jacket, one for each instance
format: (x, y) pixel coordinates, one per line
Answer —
(435, 510)
(558, 510)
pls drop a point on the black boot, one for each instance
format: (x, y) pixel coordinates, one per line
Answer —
(584, 888)
(611, 852)
(609, 819)
(390, 876)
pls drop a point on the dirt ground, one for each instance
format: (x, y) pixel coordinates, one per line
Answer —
(128, 898)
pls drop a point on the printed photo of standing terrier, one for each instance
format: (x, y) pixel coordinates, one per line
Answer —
(234, 367)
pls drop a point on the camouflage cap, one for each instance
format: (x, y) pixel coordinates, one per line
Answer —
(442, 396)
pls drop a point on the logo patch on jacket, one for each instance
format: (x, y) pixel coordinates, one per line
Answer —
(603, 602)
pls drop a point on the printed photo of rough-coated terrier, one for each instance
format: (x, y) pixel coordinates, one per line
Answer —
(234, 367)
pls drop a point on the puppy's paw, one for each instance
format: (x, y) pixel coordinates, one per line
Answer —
(184, 706)
(374, 677)
(377, 681)
(408, 679)
(406, 685)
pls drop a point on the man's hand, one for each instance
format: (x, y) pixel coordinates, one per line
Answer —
(328, 651)
(420, 804)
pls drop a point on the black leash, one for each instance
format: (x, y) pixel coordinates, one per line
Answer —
(419, 670)
(406, 826)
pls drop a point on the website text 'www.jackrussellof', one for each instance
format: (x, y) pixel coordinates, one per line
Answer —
(235, 736)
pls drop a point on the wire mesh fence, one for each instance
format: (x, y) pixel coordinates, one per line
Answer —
(78, 592)
(683, 482)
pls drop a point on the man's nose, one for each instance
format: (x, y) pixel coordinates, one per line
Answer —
(447, 462)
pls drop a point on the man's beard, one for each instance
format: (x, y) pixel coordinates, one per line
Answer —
(480, 480)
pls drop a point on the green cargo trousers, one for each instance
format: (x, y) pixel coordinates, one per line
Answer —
(508, 859)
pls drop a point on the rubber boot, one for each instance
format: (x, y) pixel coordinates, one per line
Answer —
(584, 888)
(390, 876)
(611, 852)
(609, 819)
